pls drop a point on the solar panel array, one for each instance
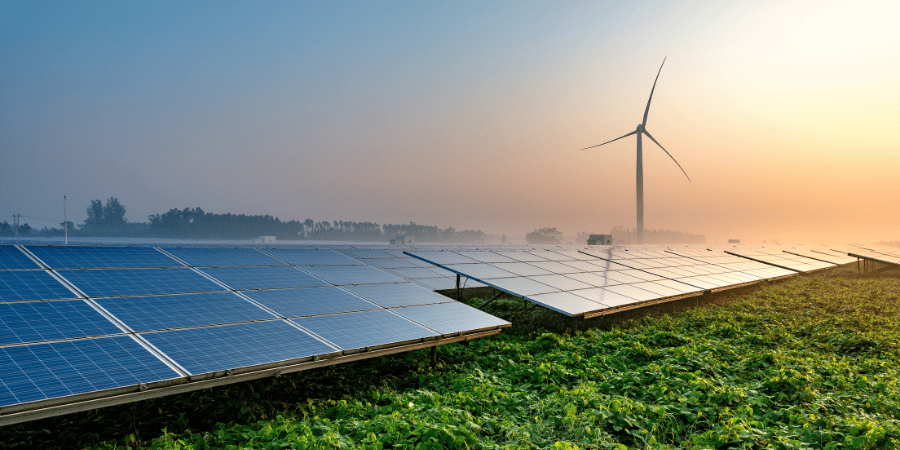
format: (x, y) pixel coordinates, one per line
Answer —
(777, 257)
(877, 253)
(596, 280)
(84, 321)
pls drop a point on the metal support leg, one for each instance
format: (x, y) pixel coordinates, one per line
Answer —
(492, 299)
(458, 290)
(433, 356)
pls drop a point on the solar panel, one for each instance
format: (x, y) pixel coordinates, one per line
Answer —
(75, 257)
(310, 301)
(222, 257)
(46, 321)
(245, 278)
(392, 295)
(12, 258)
(163, 312)
(566, 302)
(367, 253)
(19, 285)
(127, 282)
(348, 275)
(445, 258)
(453, 317)
(312, 257)
(486, 257)
(480, 271)
(56, 369)
(364, 329)
(210, 349)
(604, 297)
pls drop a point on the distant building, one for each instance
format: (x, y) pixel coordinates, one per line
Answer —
(599, 239)
(734, 241)
(403, 240)
(264, 240)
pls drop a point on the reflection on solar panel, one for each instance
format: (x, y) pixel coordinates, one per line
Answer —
(346, 275)
(12, 258)
(48, 321)
(126, 282)
(73, 257)
(393, 295)
(448, 318)
(19, 285)
(312, 257)
(43, 371)
(245, 278)
(310, 302)
(364, 329)
(163, 312)
(223, 257)
(202, 350)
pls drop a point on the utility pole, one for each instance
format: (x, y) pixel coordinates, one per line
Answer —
(65, 220)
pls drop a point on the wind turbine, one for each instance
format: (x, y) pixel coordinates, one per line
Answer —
(641, 130)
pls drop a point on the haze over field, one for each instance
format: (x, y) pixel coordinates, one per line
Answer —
(463, 114)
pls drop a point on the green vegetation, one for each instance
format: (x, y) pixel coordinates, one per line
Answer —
(811, 362)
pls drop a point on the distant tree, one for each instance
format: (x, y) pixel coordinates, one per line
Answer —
(113, 214)
(5, 229)
(67, 224)
(544, 236)
(94, 215)
(24, 229)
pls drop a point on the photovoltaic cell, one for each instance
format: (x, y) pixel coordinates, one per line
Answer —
(12, 258)
(486, 257)
(127, 282)
(245, 278)
(367, 253)
(45, 321)
(310, 301)
(364, 329)
(443, 258)
(453, 317)
(18, 286)
(566, 303)
(312, 257)
(56, 369)
(223, 257)
(210, 349)
(347, 275)
(75, 257)
(480, 271)
(522, 269)
(183, 310)
(392, 295)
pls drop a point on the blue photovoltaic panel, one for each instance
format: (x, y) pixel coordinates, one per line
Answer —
(127, 282)
(367, 253)
(567, 302)
(74, 257)
(347, 275)
(310, 301)
(392, 295)
(312, 257)
(184, 310)
(453, 317)
(480, 271)
(443, 258)
(20, 285)
(12, 258)
(246, 278)
(56, 369)
(202, 350)
(522, 269)
(486, 257)
(418, 272)
(364, 329)
(47, 321)
(223, 257)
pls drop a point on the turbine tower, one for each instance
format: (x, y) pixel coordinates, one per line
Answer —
(641, 130)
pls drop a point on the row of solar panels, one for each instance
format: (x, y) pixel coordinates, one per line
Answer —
(77, 320)
(596, 280)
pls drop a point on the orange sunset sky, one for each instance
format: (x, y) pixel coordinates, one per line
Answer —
(468, 114)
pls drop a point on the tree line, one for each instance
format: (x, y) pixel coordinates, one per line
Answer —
(194, 223)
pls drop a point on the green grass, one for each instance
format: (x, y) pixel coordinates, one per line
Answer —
(811, 362)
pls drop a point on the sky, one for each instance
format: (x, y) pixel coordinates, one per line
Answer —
(467, 114)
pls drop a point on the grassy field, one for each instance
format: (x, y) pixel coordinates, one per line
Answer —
(809, 362)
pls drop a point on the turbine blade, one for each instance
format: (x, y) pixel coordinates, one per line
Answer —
(607, 142)
(647, 111)
(670, 155)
